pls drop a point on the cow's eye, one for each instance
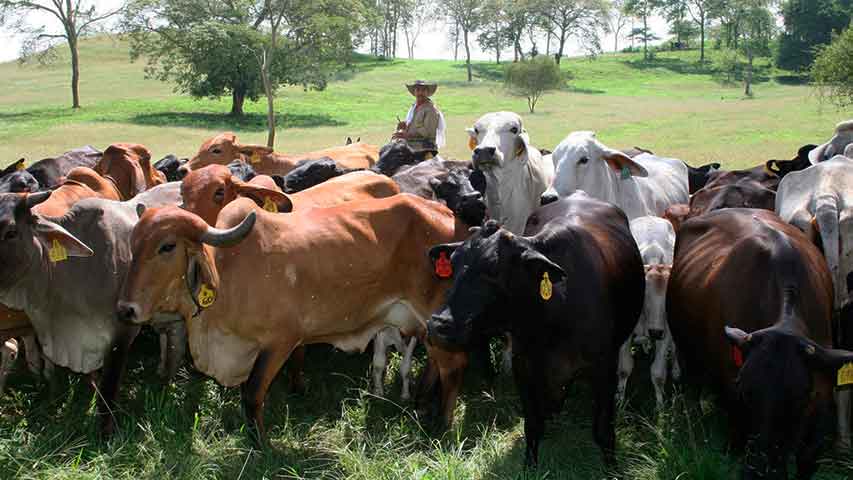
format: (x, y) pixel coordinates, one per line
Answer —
(165, 248)
(219, 195)
(476, 131)
(216, 150)
(514, 130)
(10, 234)
(583, 160)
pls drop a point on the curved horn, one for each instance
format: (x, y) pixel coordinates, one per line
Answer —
(231, 236)
(34, 199)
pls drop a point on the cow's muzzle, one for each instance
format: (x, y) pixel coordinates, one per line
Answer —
(127, 313)
(484, 156)
(444, 331)
(656, 334)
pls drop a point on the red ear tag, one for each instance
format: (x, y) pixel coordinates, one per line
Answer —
(737, 356)
(443, 268)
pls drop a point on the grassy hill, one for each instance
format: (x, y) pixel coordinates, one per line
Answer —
(191, 428)
(671, 105)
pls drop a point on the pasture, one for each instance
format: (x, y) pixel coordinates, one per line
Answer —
(191, 428)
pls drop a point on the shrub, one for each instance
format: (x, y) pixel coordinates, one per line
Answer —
(532, 78)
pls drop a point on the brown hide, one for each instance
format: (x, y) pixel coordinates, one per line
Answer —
(758, 174)
(224, 148)
(743, 194)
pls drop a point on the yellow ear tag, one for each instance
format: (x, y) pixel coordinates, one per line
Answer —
(845, 375)
(269, 205)
(472, 143)
(21, 166)
(256, 157)
(206, 296)
(428, 156)
(545, 287)
(57, 252)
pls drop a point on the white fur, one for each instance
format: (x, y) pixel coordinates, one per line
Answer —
(661, 181)
(836, 145)
(391, 337)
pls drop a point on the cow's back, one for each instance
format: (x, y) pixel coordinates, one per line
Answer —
(354, 186)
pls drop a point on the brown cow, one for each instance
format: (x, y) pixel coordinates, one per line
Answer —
(349, 271)
(758, 174)
(743, 194)
(224, 148)
(748, 269)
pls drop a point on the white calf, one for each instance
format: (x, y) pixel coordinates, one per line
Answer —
(391, 337)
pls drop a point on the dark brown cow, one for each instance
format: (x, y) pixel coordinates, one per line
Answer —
(749, 270)
(46, 173)
(350, 270)
(743, 194)
(569, 292)
(758, 174)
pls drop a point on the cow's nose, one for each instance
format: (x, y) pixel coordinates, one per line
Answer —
(485, 152)
(548, 197)
(182, 172)
(655, 334)
(126, 312)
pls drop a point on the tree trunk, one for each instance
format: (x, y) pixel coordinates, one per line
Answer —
(75, 71)
(238, 96)
(265, 77)
(616, 42)
(497, 44)
(467, 54)
(702, 36)
(645, 37)
(562, 46)
(548, 44)
(456, 42)
(748, 89)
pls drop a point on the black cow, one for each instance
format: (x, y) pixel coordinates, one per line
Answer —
(309, 173)
(396, 155)
(800, 162)
(169, 165)
(16, 179)
(242, 170)
(449, 181)
(50, 172)
(569, 292)
(697, 177)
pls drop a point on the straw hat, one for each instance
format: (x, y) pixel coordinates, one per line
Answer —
(431, 87)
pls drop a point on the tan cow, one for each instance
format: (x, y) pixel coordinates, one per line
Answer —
(325, 275)
(224, 148)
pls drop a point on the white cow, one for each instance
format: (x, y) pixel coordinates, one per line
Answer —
(836, 145)
(848, 152)
(819, 201)
(516, 174)
(391, 337)
(644, 185)
(655, 238)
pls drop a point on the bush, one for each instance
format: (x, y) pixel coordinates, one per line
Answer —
(728, 64)
(532, 78)
(833, 70)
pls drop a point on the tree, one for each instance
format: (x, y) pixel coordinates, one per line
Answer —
(417, 17)
(493, 36)
(699, 10)
(619, 19)
(579, 19)
(532, 78)
(756, 31)
(75, 19)
(468, 16)
(833, 70)
(520, 16)
(643, 9)
(809, 24)
(209, 47)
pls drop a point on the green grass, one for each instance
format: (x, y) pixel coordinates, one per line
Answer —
(671, 105)
(192, 428)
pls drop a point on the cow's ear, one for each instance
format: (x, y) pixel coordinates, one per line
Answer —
(254, 153)
(619, 162)
(202, 280)
(58, 242)
(19, 165)
(266, 198)
(829, 359)
(738, 337)
(539, 265)
(472, 138)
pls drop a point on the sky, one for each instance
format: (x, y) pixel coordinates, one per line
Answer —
(432, 44)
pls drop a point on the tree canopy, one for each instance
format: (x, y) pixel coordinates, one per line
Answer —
(809, 24)
(833, 70)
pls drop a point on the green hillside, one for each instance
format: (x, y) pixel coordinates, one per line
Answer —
(671, 105)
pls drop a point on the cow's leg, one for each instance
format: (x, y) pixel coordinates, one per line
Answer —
(112, 373)
(532, 405)
(7, 360)
(296, 370)
(506, 355)
(813, 442)
(626, 366)
(659, 369)
(177, 348)
(406, 367)
(163, 336)
(675, 365)
(380, 360)
(604, 407)
(254, 389)
(428, 388)
(33, 356)
(842, 400)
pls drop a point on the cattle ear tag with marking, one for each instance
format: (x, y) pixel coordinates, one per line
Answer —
(845, 375)
(443, 268)
(545, 287)
(472, 143)
(269, 205)
(626, 173)
(256, 157)
(57, 252)
(206, 296)
(21, 166)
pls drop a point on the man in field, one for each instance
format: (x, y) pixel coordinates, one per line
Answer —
(424, 127)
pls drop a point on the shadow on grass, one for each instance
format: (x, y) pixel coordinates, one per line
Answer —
(676, 65)
(793, 79)
(362, 63)
(249, 121)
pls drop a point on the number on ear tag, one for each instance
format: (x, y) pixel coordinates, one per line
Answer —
(845, 375)
(472, 143)
(443, 267)
(269, 205)
(206, 296)
(545, 287)
(57, 252)
(21, 166)
(256, 157)
(626, 174)
(737, 356)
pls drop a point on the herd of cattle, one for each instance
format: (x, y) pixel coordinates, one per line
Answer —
(739, 281)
